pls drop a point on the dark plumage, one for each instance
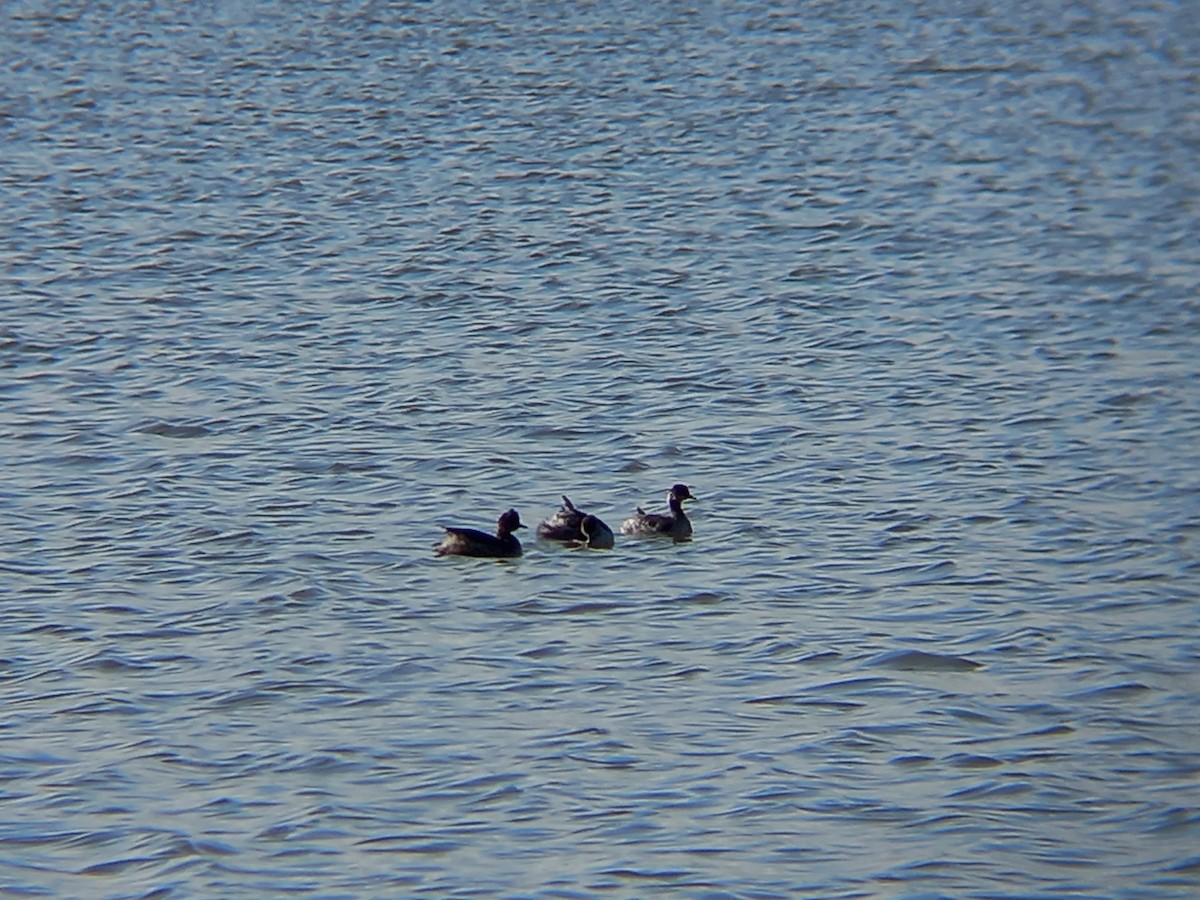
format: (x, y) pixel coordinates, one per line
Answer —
(674, 525)
(576, 526)
(596, 535)
(471, 542)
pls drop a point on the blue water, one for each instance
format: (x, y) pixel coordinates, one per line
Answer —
(908, 297)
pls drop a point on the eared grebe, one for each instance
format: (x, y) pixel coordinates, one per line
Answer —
(576, 526)
(470, 542)
(675, 525)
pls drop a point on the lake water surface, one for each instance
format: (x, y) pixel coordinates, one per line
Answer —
(909, 296)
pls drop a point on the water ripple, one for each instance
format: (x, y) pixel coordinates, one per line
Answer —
(908, 300)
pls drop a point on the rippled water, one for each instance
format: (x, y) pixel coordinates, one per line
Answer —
(907, 296)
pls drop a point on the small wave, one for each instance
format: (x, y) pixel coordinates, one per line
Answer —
(921, 660)
(174, 430)
(1116, 691)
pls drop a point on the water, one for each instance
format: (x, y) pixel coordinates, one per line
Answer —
(907, 297)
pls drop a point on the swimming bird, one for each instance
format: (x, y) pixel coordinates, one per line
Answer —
(675, 525)
(470, 542)
(574, 525)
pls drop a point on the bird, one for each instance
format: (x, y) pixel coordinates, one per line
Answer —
(675, 525)
(472, 542)
(575, 526)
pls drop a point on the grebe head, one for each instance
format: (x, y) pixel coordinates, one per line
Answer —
(509, 522)
(681, 492)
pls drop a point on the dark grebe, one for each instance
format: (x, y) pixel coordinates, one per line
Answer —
(469, 542)
(576, 526)
(675, 525)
